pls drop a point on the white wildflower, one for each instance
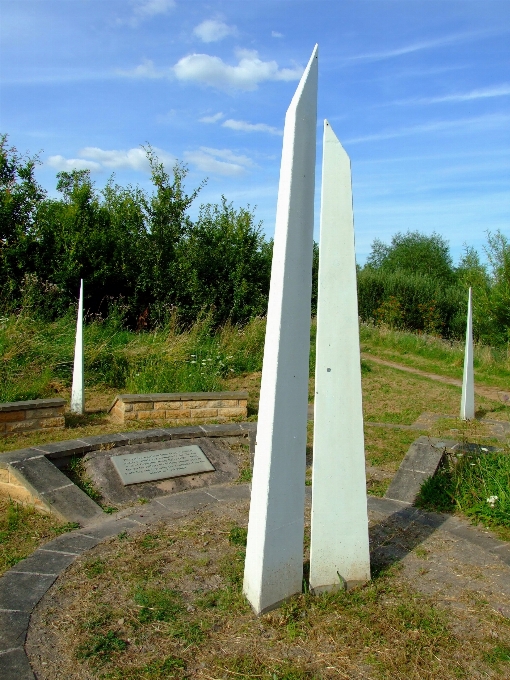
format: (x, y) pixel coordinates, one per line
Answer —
(492, 500)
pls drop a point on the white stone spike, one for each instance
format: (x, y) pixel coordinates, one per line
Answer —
(274, 553)
(339, 551)
(467, 402)
(78, 388)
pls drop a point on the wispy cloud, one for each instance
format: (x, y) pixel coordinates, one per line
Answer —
(96, 159)
(218, 161)
(418, 46)
(146, 69)
(212, 119)
(243, 126)
(276, 34)
(146, 9)
(213, 30)
(60, 163)
(483, 93)
(247, 74)
(479, 122)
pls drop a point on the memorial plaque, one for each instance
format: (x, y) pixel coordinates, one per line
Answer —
(134, 468)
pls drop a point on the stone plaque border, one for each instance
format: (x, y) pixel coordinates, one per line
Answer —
(123, 462)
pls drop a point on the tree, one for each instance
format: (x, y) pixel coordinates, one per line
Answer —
(20, 197)
(224, 265)
(415, 253)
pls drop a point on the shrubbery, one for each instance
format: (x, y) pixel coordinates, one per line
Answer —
(144, 260)
(137, 252)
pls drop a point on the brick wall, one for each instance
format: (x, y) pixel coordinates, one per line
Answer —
(38, 414)
(181, 406)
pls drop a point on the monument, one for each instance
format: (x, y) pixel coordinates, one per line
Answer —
(78, 388)
(339, 551)
(274, 553)
(467, 402)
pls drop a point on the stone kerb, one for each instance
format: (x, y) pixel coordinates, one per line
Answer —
(179, 406)
(37, 414)
(32, 475)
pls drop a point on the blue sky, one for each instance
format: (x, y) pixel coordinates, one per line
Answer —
(417, 91)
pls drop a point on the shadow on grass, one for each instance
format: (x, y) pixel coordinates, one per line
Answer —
(74, 420)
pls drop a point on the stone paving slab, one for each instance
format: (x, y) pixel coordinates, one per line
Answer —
(20, 592)
(25, 584)
(45, 561)
(14, 665)
(13, 627)
(420, 462)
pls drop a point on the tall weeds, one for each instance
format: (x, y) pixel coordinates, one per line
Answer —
(37, 357)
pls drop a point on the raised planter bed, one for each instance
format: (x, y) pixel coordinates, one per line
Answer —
(37, 414)
(179, 406)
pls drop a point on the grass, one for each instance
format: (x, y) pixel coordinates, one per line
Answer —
(37, 357)
(436, 355)
(147, 614)
(477, 484)
(23, 529)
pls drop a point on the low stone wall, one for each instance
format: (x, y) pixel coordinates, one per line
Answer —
(11, 487)
(38, 414)
(179, 406)
(34, 476)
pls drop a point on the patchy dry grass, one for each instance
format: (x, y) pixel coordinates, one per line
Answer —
(22, 530)
(391, 396)
(385, 448)
(167, 603)
(436, 355)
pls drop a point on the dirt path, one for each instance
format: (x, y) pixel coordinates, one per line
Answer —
(493, 393)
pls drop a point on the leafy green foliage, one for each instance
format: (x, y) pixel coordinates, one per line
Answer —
(138, 252)
(415, 253)
(413, 301)
(477, 484)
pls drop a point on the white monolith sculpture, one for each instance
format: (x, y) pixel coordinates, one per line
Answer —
(78, 388)
(274, 552)
(339, 551)
(467, 402)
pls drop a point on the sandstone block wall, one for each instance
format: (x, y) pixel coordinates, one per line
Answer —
(180, 406)
(37, 414)
(11, 487)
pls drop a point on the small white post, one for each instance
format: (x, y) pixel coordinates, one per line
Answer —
(78, 388)
(467, 402)
(274, 553)
(339, 551)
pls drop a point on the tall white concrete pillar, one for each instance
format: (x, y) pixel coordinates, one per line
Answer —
(274, 553)
(467, 402)
(339, 551)
(78, 388)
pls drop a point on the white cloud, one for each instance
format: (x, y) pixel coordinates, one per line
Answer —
(243, 126)
(246, 75)
(145, 70)
(213, 30)
(483, 93)
(275, 34)
(145, 9)
(218, 161)
(212, 119)
(67, 164)
(95, 159)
